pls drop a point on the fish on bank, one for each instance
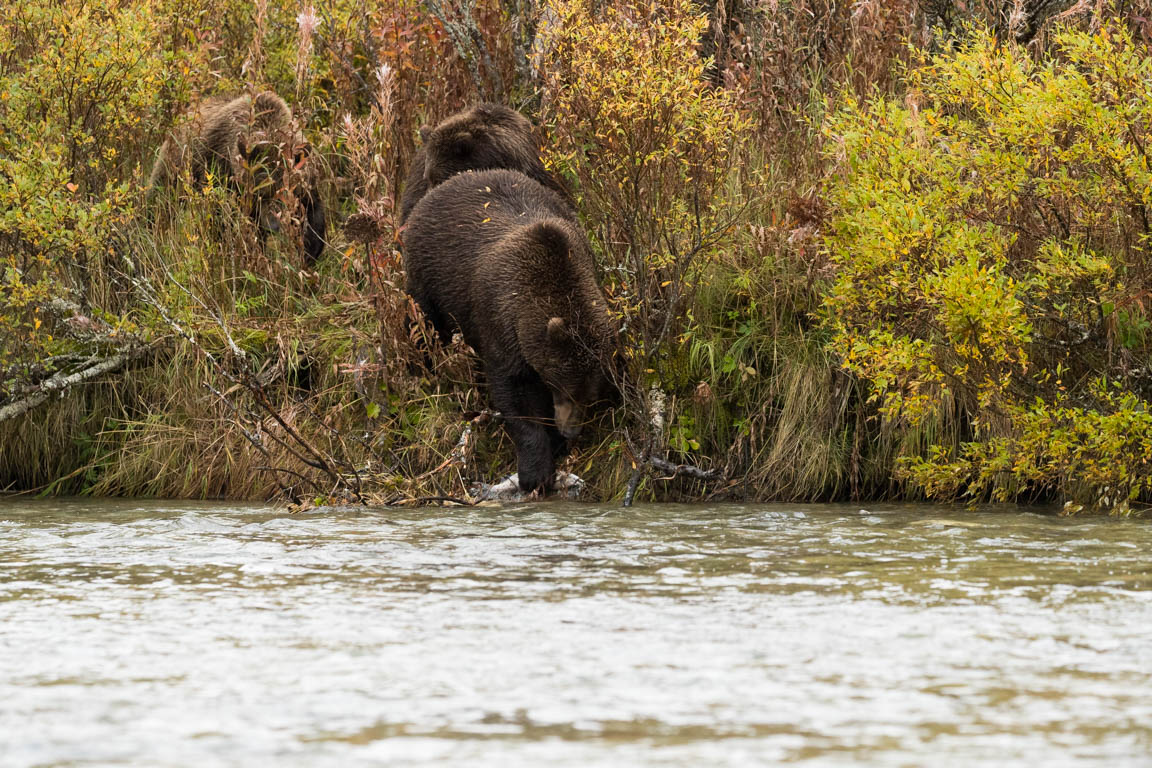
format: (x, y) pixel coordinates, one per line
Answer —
(566, 486)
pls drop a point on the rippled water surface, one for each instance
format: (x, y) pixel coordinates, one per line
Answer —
(154, 634)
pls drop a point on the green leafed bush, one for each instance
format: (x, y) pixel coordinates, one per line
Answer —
(82, 88)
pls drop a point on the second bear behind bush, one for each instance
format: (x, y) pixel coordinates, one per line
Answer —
(502, 258)
(252, 144)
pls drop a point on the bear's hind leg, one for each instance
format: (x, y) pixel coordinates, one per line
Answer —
(315, 227)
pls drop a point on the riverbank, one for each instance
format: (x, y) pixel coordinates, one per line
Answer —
(847, 267)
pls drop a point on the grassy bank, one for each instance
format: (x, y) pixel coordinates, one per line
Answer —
(857, 253)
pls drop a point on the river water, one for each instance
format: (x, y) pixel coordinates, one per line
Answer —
(179, 634)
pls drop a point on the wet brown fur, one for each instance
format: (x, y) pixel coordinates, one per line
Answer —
(482, 137)
(501, 257)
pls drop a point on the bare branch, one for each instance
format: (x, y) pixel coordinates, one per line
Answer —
(683, 470)
(61, 382)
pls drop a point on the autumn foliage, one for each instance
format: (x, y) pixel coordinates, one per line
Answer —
(866, 250)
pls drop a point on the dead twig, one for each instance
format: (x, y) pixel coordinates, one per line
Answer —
(459, 453)
(669, 471)
(249, 383)
(683, 470)
(633, 482)
(318, 459)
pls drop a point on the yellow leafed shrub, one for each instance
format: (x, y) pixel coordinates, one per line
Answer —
(991, 234)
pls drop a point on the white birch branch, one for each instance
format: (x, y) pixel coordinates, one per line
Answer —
(60, 382)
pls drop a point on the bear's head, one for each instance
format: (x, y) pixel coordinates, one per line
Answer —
(273, 165)
(577, 368)
(280, 173)
(483, 137)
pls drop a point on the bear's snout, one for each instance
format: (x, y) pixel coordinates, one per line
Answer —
(568, 417)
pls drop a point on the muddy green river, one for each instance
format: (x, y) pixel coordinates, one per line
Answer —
(177, 634)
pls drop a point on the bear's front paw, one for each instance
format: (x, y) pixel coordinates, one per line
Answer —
(531, 481)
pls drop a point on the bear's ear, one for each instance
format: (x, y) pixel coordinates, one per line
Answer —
(425, 132)
(556, 330)
(463, 144)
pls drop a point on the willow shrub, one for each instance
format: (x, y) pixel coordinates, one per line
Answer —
(653, 149)
(991, 233)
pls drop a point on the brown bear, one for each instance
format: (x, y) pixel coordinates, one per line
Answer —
(253, 143)
(482, 137)
(501, 257)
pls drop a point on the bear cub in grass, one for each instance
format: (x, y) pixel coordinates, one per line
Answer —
(501, 257)
(253, 143)
(479, 138)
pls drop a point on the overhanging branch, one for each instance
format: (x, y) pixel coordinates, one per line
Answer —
(61, 382)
